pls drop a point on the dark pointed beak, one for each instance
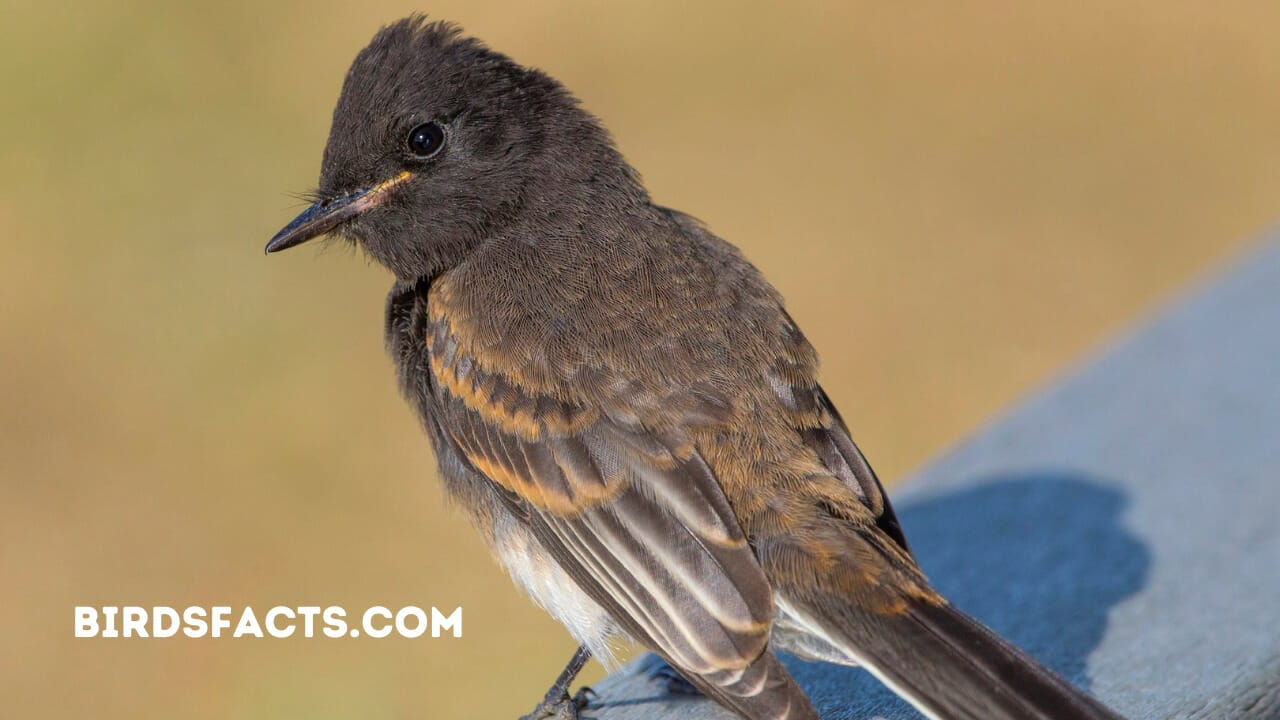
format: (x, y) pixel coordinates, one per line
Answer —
(325, 215)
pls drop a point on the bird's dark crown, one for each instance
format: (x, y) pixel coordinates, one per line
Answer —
(502, 144)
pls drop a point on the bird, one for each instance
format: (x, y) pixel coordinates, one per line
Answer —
(621, 404)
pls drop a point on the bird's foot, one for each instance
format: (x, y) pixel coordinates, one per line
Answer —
(558, 705)
(667, 677)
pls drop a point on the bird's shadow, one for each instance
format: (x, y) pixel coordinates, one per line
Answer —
(1039, 557)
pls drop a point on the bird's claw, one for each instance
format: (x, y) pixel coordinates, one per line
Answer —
(558, 705)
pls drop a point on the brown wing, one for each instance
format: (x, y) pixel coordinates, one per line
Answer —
(842, 457)
(635, 516)
(812, 414)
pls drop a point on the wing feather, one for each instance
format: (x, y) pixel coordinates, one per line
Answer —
(637, 518)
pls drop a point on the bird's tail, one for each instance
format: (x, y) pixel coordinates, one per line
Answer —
(949, 665)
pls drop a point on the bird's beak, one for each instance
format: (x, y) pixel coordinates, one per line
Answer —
(325, 215)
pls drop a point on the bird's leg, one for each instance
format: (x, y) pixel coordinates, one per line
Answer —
(557, 704)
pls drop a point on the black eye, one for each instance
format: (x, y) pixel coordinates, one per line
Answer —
(426, 140)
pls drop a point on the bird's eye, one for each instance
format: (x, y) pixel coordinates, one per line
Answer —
(425, 140)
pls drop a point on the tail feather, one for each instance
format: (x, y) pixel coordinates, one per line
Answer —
(950, 666)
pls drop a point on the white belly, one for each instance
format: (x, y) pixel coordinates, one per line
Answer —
(534, 570)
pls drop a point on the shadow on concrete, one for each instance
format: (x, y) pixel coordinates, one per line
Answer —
(1040, 557)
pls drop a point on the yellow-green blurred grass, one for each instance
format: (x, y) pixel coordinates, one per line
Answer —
(957, 199)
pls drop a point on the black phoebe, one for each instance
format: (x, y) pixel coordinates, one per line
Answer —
(623, 406)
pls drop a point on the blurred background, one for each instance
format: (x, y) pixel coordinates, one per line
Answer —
(959, 200)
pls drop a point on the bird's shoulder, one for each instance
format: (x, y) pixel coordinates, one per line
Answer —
(653, 317)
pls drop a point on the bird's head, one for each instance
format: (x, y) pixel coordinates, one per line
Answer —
(439, 142)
